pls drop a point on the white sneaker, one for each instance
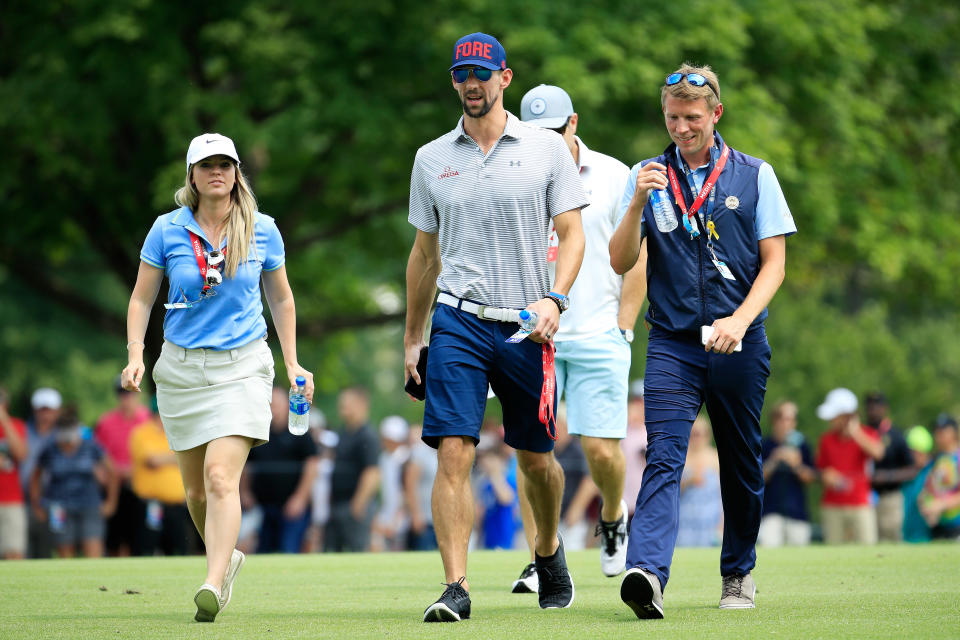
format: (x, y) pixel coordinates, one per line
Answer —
(207, 600)
(237, 559)
(613, 546)
(528, 582)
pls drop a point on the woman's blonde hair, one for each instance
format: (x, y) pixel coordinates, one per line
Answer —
(240, 221)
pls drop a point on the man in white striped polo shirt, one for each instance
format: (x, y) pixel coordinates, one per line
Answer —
(482, 198)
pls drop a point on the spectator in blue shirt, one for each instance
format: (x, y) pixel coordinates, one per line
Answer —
(497, 493)
(65, 489)
(787, 470)
(215, 373)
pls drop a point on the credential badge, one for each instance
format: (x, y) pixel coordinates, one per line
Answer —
(732, 202)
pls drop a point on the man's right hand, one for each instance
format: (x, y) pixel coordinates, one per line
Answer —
(411, 358)
(650, 177)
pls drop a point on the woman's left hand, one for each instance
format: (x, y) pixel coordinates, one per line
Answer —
(296, 370)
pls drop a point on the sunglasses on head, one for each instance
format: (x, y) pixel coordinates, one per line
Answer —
(695, 79)
(481, 74)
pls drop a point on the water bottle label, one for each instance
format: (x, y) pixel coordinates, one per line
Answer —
(299, 407)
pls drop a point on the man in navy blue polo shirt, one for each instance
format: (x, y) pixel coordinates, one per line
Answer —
(482, 197)
(710, 278)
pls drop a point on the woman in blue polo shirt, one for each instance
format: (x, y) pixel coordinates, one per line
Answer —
(215, 371)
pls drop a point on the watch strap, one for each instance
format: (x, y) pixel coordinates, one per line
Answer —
(557, 301)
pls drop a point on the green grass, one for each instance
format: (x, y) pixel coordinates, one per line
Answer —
(900, 592)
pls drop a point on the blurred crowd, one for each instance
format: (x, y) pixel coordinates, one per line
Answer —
(115, 489)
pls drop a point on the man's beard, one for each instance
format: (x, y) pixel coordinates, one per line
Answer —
(485, 107)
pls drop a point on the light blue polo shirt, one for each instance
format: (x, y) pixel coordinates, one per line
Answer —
(773, 214)
(233, 317)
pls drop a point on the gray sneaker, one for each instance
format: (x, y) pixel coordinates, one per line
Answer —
(640, 590)
(738, 592)
(237, 559)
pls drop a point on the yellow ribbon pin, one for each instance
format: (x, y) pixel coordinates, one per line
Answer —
(712, 230)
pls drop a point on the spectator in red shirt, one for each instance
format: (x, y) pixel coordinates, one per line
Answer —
(113, 434)
(845, 458)
(13, 513)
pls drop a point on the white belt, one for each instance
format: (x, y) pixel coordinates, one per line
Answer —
(483, 312)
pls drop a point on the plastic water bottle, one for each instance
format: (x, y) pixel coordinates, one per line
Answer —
(663, 211)
(299, 419)
(528, 320)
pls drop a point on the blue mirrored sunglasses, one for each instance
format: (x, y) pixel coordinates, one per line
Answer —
(461, 74)
(695, 79)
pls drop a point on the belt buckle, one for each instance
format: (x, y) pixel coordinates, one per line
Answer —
(481, 312)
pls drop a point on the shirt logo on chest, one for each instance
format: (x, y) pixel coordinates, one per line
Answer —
(514, 163)
(448, 173)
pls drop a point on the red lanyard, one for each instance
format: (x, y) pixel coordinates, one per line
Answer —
(547, 417)
(201, 259)
(704, 190)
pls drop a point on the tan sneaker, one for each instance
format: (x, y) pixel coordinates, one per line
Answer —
(207, 600)
(641, 591)
(738, 592)
(237, 559)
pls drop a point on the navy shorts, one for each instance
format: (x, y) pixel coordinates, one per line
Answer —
(467, 353)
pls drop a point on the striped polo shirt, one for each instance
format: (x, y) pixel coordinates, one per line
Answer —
(492, 212)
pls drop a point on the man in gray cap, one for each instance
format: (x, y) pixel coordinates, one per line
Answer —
(593, 341)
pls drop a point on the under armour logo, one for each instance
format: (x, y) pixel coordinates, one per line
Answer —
(514, 163)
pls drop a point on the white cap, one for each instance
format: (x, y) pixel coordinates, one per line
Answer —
(546, 106)
(395, 429)
(46, 398)
(210, 144)
(839, 402)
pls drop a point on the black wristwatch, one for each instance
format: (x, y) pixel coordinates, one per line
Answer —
(562, 301)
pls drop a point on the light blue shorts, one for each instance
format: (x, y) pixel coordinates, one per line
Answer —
(592, 377)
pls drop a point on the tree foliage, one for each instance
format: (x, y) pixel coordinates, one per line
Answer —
(854, 103)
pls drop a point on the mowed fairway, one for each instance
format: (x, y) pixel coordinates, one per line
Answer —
(817, 592)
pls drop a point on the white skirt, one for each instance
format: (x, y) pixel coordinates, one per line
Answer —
(204, 394)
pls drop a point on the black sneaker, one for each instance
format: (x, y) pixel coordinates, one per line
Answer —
(556, 585)
(528, 582)
(453, 605)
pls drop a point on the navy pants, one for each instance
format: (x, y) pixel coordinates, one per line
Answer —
(680, 377)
